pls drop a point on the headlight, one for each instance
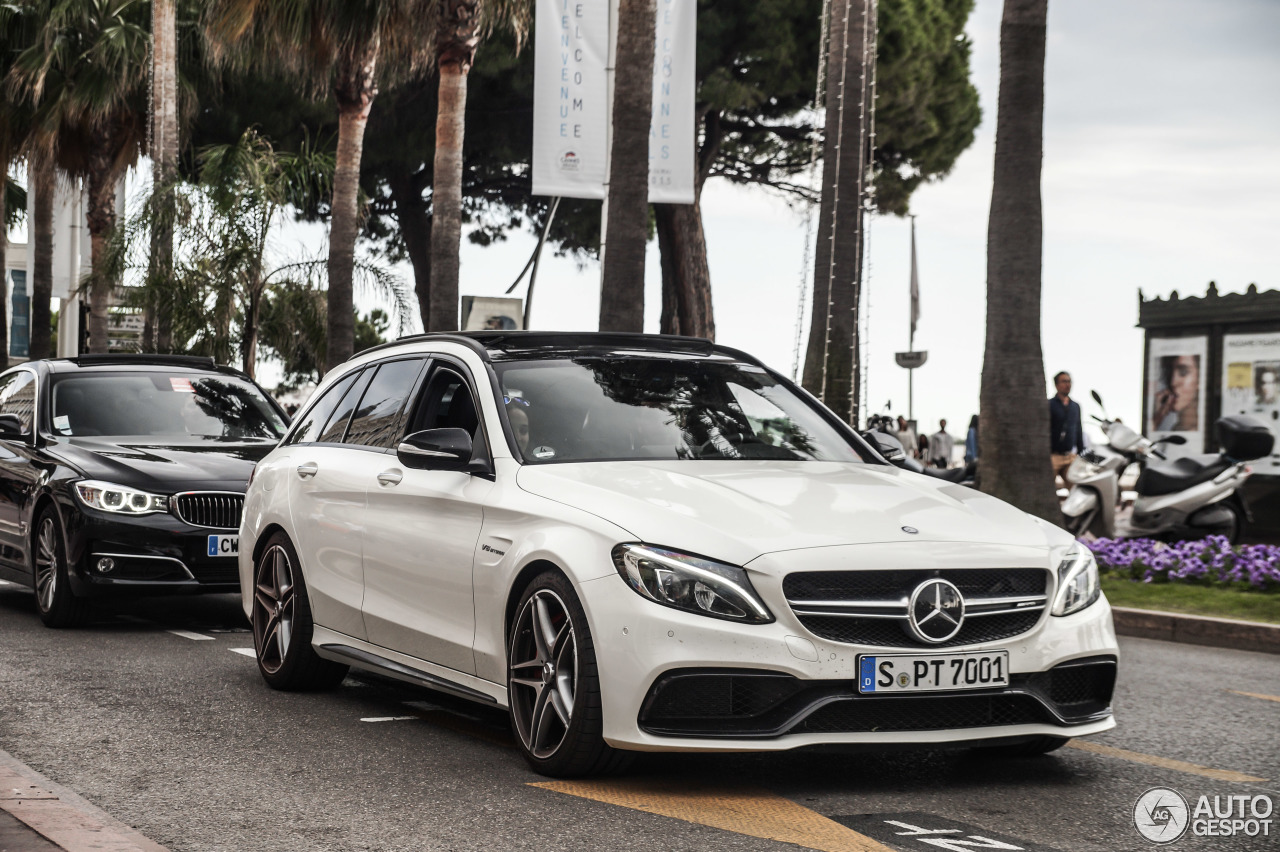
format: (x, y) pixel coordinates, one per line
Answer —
(108, 497)
(690, 583)
(1077, 582)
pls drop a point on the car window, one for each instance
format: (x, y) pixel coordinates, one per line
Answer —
(18, 397)
(379, 421)
(336, 429)
(446, 404)
(162, 403)
(620, 407)
(318, 414)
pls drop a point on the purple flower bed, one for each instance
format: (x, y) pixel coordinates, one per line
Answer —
(1209, 562)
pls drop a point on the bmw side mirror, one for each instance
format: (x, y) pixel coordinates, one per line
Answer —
(436, 449)
(10, 427)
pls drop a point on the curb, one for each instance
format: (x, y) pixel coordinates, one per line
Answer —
(61, 816)
(1197, 630)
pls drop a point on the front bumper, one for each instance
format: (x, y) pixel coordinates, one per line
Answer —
(153, 554)
(803, 687)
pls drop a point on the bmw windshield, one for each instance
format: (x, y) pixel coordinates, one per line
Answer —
(162, 404)
(616, 408)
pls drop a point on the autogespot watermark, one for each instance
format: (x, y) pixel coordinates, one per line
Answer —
(1163, 815)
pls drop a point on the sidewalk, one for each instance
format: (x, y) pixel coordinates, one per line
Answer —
(37, 815)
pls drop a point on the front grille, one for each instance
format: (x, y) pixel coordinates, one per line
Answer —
(924, 714)
(210, 509)
(870, 607)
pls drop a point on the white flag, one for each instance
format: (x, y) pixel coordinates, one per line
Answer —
(570, 100)
(672, 133)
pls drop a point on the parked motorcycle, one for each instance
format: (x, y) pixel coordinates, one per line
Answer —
(1185, 498)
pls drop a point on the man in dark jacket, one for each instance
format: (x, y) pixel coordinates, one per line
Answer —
(1066, 431)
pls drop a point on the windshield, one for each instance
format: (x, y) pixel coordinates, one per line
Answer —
(162, 404)
(624, 408)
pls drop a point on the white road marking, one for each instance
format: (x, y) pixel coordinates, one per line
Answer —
(388, 718)
(248, 652)
(187, 634)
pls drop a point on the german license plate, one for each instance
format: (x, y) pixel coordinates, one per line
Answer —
(893, 673)
(224, 545)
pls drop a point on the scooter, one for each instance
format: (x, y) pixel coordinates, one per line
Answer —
(1186, 498)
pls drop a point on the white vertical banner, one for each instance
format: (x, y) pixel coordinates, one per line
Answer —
(570, 101)
(672, 133)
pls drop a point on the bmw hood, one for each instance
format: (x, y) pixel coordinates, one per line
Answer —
(211, 464)
(739, 510)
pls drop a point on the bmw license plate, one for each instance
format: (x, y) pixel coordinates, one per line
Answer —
(224, 545)
(893, 673)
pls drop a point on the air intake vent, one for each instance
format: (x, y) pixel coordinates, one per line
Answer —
(213, 509)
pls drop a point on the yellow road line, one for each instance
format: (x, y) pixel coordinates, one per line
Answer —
(749, 811)
(1275, 698)
(1162, 762)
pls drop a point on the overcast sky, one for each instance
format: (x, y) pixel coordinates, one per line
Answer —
(1161, 172)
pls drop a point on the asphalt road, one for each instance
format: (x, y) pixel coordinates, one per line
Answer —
(179, 737)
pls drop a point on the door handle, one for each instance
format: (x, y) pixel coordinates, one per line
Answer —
(308, 470)
(390, 477)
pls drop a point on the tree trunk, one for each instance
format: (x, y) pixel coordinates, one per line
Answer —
(164, 154)
(101, 219)
(830, 368)
(1014, 421)
(4, 245)
(249, 340)
(42, 178)
(627, 222)
(354, 90)
(686, 278)
(446, 199)
(415, 230)
(458, 35)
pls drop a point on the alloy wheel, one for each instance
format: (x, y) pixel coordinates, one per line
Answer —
(273, 608)
(46, 564)
(543, 676)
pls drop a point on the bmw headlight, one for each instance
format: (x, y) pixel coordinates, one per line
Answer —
(690, 583)
(1077, 582)
(108, 497)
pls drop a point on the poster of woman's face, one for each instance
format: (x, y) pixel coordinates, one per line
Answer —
(1266, 382)
(1177, 397)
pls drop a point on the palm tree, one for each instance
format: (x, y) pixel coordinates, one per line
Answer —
(15, 34)
(1014, 421)
(164, 158)
(343, 48)
(627, 220)
(85, 78)
(459, 30)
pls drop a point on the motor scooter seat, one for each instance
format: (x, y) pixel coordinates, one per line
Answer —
(1170, 477)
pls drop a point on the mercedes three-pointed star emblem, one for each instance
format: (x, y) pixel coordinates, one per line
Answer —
(936, 611)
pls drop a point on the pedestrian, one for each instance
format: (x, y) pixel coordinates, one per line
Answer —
(922, 448)
(971, 441)
(907, 436)
(1066, 429)
(940, 446)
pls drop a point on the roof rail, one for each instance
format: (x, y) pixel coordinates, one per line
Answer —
(513, 341)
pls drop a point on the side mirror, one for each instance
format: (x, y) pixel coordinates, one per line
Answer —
(1174, 439)
(887, 445)
(10, 427)
(436, 449)
(1096, 397)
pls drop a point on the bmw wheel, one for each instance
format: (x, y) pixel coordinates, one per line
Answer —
(56, 602)
(552, 684)
(282, 624)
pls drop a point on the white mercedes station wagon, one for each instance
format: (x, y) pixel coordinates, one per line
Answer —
(649, 543)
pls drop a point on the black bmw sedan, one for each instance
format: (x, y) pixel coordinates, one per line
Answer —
(125, 475)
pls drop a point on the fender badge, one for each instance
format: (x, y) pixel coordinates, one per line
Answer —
(910, 530)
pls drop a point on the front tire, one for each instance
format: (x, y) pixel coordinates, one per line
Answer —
(55, 600)
(282, 624)
(553, 685)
